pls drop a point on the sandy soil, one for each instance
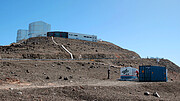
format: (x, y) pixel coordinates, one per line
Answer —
(87, 80)
(78, 80)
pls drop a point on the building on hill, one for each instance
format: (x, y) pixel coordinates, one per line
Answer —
(71, 35)
(38, 29)
(42, 29)
(22, 34)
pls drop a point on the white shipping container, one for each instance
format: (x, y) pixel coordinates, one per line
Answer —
(128, 73)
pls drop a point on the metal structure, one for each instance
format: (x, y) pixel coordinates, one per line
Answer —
(79, 36)
(42, 29)
(128, 74)
(64, 49)
(57, 34)
(22, 34)
(152, 74)
(38, 29)
(71, 35)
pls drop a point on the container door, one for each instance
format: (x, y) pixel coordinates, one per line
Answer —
(164, 78)
(147, 74)
(141, 73)
(155, 73)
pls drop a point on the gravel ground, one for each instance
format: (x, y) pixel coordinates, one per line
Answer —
(86, 80)
(78, 80)
(101, 90)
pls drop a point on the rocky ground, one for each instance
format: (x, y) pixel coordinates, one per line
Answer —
(44, 48)
(69, 80)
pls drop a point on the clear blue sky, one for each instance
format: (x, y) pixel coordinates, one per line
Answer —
(148, 27)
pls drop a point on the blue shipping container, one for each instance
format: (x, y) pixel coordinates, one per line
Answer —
(152, 74)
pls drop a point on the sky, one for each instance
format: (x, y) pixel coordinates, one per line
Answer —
(149, 27)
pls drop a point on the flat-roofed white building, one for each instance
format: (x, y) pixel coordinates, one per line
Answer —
(79, 36)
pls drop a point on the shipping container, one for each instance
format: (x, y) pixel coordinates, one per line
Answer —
(152, 74)
(128, 74)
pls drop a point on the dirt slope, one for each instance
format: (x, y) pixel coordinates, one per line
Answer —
(78, 80)
(44, 48)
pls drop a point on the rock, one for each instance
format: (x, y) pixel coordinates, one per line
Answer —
(81, 87)
(47, 77)
(11, 88)
(112, 66)
(36, 65)
(156, 94)
(65, 78)
(146, 93)
(73, 89)
(27, 71)
(19, 93)
(58, 64)
(69, 68)
(44, 73)
(71, 81)
(70, 76)
(82, 64)
(91, 67)
(52, 65)
(171, 79)
(60, 77)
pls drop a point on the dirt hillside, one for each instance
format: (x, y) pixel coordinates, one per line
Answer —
(44, 48)
(83, 79)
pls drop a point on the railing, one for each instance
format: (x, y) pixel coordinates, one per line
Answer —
(64, 48)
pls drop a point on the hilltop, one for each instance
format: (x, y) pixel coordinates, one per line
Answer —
(44, 48)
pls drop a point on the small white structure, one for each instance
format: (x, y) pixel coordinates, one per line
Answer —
(38, 29)
(22, 34)
(79, 36)
(128, 73)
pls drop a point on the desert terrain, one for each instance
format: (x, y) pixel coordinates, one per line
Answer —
(39, 70)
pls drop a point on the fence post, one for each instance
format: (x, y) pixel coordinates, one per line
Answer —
(109, 72)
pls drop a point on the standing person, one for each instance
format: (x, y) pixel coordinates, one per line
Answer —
(137, 73)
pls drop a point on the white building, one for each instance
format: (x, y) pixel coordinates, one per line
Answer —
(38, 29)
(79, 36)
(22, 34)
(42, 29)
